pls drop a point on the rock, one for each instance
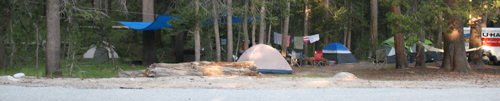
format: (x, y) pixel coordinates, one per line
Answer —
(18, 75)
(11, 78)
(345, 76)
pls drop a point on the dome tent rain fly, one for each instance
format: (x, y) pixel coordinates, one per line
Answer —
(267, 59)
(339, 53)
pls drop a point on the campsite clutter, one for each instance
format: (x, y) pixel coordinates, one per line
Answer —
(388, 45)
(265, 58)
(298, 40)
(334, 53)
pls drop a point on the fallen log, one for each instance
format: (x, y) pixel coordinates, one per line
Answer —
(132, 74)
(195, 69)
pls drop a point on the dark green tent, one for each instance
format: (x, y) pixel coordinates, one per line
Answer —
(390, 42)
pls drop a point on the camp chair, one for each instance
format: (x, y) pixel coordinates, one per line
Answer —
(318, 59)
(297, 58)
(380, 59)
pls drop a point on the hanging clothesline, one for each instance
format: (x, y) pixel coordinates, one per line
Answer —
(298, 41)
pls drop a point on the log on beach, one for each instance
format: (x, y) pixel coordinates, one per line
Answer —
(195, 69)
(132, 74)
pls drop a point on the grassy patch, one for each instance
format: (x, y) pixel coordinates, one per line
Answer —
(307, 76)
(390, 68)
(80, 71)
(29, 70)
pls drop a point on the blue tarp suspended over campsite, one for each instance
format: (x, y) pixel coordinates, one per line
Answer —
(162, 22)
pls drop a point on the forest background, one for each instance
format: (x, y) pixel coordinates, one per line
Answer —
(27, 29)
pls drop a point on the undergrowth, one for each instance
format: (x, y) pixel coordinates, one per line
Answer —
(81, 71)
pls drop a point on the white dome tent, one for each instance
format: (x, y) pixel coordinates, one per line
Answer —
(103, 51)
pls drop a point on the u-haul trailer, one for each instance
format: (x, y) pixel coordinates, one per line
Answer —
(490, 39)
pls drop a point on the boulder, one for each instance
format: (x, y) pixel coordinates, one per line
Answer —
(345, 76)
(10, 78)
(18, 75)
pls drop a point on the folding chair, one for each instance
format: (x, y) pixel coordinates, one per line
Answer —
(297, 57)
(380, 59)
(318, 59)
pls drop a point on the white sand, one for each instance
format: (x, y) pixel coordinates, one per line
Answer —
(246, 82)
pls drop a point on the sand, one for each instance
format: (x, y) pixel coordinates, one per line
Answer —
(245, 82)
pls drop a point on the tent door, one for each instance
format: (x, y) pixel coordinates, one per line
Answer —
(101, 53)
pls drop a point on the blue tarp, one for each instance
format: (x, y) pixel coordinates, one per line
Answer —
(162, 22)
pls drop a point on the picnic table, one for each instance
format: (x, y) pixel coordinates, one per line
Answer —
(311, 60)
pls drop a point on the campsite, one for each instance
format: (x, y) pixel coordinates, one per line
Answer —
(303, 78)
(249, 45)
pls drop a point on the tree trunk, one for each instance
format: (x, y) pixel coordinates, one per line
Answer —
(52, 53)
(399, 45)
(475, 57)
(374, 27)
(349, 29)
(158, 41)
(97, 4)
(455, 57)
(216, 31)
(345, 35)
(484, 22)
(245, 26)
(229, 31)
(36, 51)
(254, 23)
(285, 29)
(12, 43)
(197, 46)
(149, 48)
(238, 41)
(179, 46)
(107, 6)
(349, 37)
(306, 26)
(326, 39)
(420, 62)
(447, 64)
(148, 37)
(269, 33)
(327, 26)
(262, 23)
(401, 60)
(439, 43)
(2, 47)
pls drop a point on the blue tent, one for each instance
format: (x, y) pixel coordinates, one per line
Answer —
(162, 22)
(339, 53)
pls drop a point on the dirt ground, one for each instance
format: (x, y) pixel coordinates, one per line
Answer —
(432, 72)
(428, 78)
